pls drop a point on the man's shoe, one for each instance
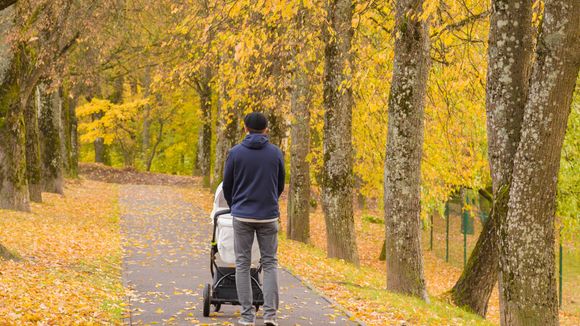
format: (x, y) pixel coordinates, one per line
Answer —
(245, 323)
(270, 322)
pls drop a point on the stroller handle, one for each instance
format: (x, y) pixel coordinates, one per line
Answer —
(220, 212)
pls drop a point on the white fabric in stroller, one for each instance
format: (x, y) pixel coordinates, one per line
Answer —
(225, 233)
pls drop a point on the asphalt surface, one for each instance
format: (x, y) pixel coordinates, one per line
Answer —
(166, 265)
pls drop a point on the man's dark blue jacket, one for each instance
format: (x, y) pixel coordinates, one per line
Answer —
(254, 178)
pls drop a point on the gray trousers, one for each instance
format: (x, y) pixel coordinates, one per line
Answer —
(267, 235)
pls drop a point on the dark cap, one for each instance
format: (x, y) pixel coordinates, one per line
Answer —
(256, 121)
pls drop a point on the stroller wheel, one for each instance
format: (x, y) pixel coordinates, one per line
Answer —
(217, 307)
(206, 300)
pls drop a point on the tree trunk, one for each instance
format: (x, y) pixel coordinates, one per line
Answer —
(299, 194)
(62, 124)
(6, 254)
(509, 64)
(527, 257)
(337, 179)
(204, 143)
(154, 149)
(227, 131)
(101, 151)
(146, 125)
(50, 105)
(101, 155)
(220, 144)
(402, 183)
(74, 139)
(33, 162)
(13, 184)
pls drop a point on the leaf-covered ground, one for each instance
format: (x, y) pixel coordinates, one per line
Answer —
(69, 258)
(361, 290)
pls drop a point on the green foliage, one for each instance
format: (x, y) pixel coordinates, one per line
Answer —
(569, 178)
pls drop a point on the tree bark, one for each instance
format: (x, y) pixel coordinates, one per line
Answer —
(157, 142)
(6, 254)
(49, 106)
(337, 179)
(510, 50)
(6, 3)
(402, 185)
(299, 195)
(146, 125)
(527, 257)
(204, 143)
(101, 151)
(74, 139)
(62, 123)
(227, 131)
(33, 162)
(13, 184)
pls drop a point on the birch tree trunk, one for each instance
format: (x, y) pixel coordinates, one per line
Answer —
(510, 49)
(13, 184)
(50, 105)
(33, 162)
(337, 179)
(527, 257)
(402, 183)
(299, 195)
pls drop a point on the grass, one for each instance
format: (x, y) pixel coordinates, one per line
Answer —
(361, 290)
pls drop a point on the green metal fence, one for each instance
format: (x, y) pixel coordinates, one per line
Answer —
(453, 236)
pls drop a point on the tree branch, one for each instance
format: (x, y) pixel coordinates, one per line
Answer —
(460, 24)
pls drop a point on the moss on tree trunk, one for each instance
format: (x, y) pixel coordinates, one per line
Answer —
(33, 164)
(203, 161)
(13, 184)
(526, 239)
(300, 105)
(402, 183)
(506, 92)
(337, 178)
(50, 105)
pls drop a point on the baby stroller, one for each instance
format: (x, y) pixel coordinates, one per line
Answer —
(223, 259)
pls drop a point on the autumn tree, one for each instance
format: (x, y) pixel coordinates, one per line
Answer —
(33, 163)
(404, 148)
(49, 103)
(526, 238)
(337, 179)
(510, 49)
(300, 107)
(13, 184)
(229, 118)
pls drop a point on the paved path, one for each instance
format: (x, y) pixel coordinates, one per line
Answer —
(166, 264)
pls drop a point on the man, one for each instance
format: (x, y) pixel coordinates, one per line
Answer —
(253, 182)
